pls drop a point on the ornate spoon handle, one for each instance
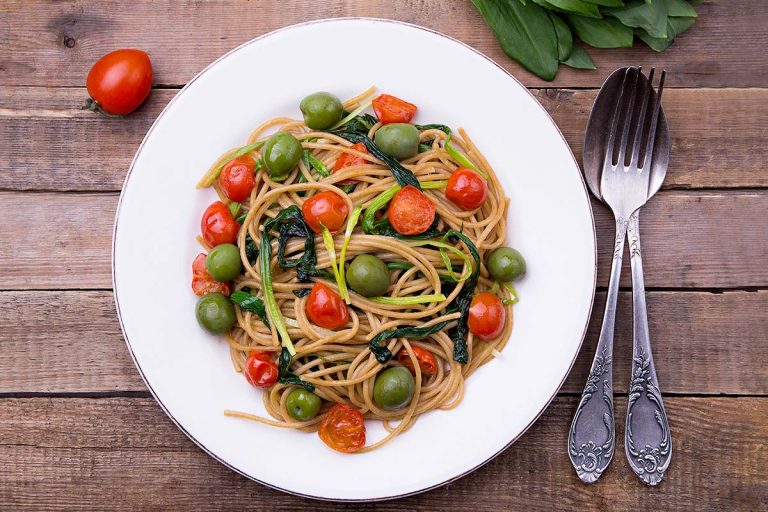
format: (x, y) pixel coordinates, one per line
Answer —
(592, 437)
(647, 440)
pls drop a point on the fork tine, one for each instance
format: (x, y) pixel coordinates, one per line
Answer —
(640, 124)
(630, 109)
(608, 160)
(648, 158)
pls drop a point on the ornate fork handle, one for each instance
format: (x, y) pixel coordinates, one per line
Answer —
(647, 440)
(592, 437)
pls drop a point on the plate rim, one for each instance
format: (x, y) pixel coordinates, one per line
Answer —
(117, 301)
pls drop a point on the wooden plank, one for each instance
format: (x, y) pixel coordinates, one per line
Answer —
(689, 240)
(55, 43)
(124, 454)
(703, 343)
(53, 145)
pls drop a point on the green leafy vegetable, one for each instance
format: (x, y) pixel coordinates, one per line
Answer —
(383, 354)
(675, 27)
(407, 301)
(289, 223)
(251, 251)
(564, 37)
(444, 249)
(301, 292)
(310, 162)
(579, 59)
(603, 33)
(462, 159)
(250, 302)
(575, 6)
(351, 223)
(382, 226)
(234, 209)
(637, 14)
(265, 254)
(441, 127)
(399, 265)
(352, 114)
(330, 246)
(285, 376)
(463, 300)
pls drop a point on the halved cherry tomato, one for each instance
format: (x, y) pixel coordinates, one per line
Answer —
(343, 429)
(426, 360)
(260, 370)
(202, 282)
(466, 189)
(391, 109)
(119, 82)
(218, 226)
(325, 209)
(348, 160)
(237, 178)
(486, 316)
(411, 212)
(325, 308)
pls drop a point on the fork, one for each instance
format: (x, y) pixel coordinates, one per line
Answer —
(624, 188)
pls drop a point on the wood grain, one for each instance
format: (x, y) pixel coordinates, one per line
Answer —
(55, 43)
(703, 343)
(53, 145)
(691, 239)
(124, 454)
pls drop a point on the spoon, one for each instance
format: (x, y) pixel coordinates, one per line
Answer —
(647, 442)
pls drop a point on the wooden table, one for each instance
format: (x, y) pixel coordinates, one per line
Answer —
(78, 428)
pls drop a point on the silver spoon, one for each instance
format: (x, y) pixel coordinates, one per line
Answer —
(647, 426)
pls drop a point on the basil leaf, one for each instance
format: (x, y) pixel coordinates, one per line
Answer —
(524, 32)
(564, 37)
(579, 59)
(650, 17)
(604, 33)
(574, 6)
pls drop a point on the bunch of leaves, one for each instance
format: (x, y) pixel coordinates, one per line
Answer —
(539, 33)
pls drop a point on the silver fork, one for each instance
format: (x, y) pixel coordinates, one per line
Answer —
(624, 188)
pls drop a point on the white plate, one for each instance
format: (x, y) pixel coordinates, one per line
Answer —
(550, 222)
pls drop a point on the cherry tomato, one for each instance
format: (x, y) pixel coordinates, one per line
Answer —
(218, 226)
(390, 109)
(348, 160)
(237, 178)
(466, 189)
(325, 308)
(426, 360)
(486, 316)
(260, 370)
(325, 209)
(343, 429)
(202, 282)
(119, 82)
(411, 212)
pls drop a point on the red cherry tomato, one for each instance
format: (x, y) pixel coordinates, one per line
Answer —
(390, 109)
(348, 160)
(218, 226)
(343, 429)
(260, 370)
(325, 209)
(325, 308)
(202, 282)
(119, 81)
(411, 212)
(486, 316)
(237, 178)
(426, 360)
(466, 189)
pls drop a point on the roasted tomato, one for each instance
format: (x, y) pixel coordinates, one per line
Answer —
(343, 429)
(119, 82)
(218, 226)
(325, 308)
(260, 369)
(325, 209)
(411, 212)
(390, 109)
(486, 316)
(426, 360)
(466, 189)
(237, 178)
(202, 282)
(348, 160)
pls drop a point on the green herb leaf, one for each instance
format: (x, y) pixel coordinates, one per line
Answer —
(680, 8)
(265, 254)
(399, 265)
(351, 223)
(574, 6)
(463, 300)
(289, 223)
(383, 354)
(234, 208)
(441, 127)
(564, 37)
(524, 32)
(604, 33)
(462, 159)
(607, 3)
(251, 251)
(408, 301)
(579, 59)
(650, 17)
(301, 292)
(284, 374)
(250, 302)
(675, 27)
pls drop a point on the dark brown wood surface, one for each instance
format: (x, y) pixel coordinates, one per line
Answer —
(79, 430)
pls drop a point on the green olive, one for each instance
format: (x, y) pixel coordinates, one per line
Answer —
(302, 404)
(393, 388)
(321, 110)
(506, 264)
(368, 276)
(398, 140)
(215, 313)
(223, 262)
(281, 154)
